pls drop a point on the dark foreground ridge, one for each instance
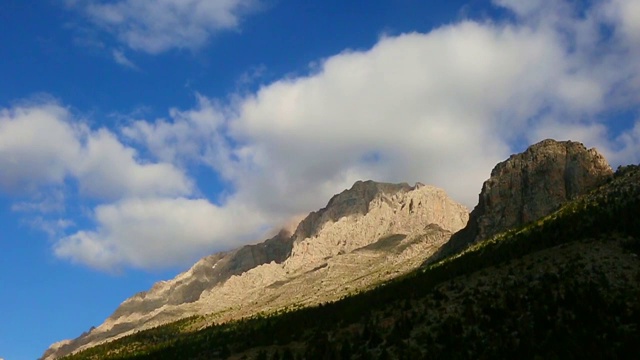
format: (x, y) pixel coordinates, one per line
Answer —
(563, 286)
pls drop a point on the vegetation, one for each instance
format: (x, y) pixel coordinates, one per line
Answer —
(565, 286)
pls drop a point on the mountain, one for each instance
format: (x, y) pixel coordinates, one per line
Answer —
(543, 288)
(565, 285)
(528, 186)
(365, 235)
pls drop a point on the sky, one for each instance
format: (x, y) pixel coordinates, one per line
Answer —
(137, 136)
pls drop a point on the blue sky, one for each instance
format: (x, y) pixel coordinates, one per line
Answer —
(138, 136)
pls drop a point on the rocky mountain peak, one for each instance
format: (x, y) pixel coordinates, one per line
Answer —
(530, 185)
(352, 201)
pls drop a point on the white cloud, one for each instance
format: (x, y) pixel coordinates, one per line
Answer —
(158, 232)
(46, 201)
(108, 169)
(628, 146)
(592, 134)
(625, 13)
(440, 108)
(250, 76)
(192, 134)
(37, 144)
(621, 148)
(624, 17)
(42, 145)
(156, 26)
(120, 58)
(54, 228)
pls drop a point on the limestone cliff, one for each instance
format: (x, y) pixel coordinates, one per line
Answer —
(528, 186)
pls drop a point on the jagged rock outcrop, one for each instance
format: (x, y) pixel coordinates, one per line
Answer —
(206, 273)
(353, 201)
(365, 235)
(528, 186)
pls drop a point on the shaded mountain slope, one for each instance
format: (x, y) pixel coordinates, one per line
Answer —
(564, 286)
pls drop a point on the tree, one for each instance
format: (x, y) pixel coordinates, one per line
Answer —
(262, 355)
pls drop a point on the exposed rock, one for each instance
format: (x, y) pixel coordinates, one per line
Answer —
(57, 349)
(365, 235)
(348, 223)
(528, 186)
(206, 273)
(349, 202)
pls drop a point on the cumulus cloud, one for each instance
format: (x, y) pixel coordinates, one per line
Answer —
(45, 201)
(422, 107)
(42, 145)
(108, 169)
(37, 144)
(157, 26)
(46, 152)
(158, 232)
(440, 107)
(52, 227)
(185, 136)
(626, 14)
(628, 146)
(416, 107)
(120, 58)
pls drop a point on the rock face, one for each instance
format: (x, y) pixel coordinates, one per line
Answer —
(206, 273)
(528, 186)
(353, 201)
(186, 288)
(367, 234)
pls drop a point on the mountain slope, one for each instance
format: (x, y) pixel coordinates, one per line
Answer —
(564, 286)
(368, 234)
(365, 235)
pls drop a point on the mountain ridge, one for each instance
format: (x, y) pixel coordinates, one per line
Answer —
(366, 235)
(317, 250)
(562, 286)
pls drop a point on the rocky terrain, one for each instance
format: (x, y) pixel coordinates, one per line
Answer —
(365, 235)
(530, 185)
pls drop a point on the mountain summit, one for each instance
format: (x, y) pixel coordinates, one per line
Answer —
(528, 186)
